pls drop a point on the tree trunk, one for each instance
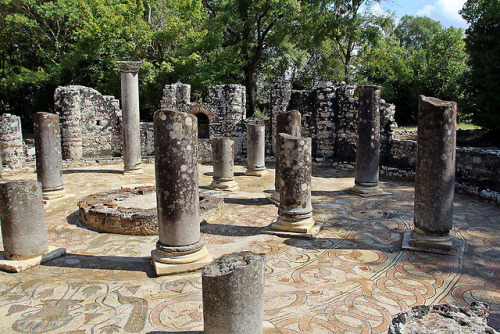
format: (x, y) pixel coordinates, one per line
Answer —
(250, 88)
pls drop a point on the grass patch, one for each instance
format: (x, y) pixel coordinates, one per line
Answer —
(460, 126)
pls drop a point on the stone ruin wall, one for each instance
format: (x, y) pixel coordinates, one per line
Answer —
(225, 111)
(329, 116)
(12, 148)
(90, 123)
(91, 127)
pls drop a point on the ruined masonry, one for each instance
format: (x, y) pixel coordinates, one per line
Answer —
(11, 141)
(90, 123)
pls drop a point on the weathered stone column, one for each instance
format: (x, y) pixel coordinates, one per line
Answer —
(256, 149)
(11, 141)
(288, 123)
(48, 155)
(435, 173)
(295, 208)
(223, 161)
(179, 247)
(1, 165)
(131, 118)
(368, 144)
(24, 230)
(233, 294)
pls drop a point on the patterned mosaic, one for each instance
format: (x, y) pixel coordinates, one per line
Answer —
(352, 278)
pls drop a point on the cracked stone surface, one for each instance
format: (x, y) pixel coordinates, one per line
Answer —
(352, 278)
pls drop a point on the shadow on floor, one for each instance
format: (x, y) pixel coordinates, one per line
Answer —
(96, 171)
(247, 201)
(125, 263)
(230, 230)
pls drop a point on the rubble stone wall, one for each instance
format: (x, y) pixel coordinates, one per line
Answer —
(90, 123)
(12, 151)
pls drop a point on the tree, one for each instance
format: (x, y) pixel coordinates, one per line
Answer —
(483, 46)
(249, 28)
(415, 32)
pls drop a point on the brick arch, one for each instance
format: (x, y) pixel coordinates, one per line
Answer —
(203, 113)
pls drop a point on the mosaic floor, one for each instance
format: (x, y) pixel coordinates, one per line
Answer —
(352, 278)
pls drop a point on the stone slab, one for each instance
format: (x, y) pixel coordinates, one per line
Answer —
(138, 171)
(288, 234)
(58, 199)
(272, 200)
(163, 269)
(16, 266)
(447, 249)
(258, 173)
(267, 328)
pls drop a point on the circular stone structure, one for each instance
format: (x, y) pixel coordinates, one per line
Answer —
(133, 210)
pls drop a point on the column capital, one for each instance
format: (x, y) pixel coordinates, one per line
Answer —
(129, 66)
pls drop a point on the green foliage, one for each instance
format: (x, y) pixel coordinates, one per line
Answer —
(418, 58)
(483, 46)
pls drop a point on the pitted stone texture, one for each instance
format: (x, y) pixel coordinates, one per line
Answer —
(133, 211)
(24, 231)
(329, 116)
(435, 172)
(289, 123)
(368, 143)
(223, 159)
(176, 97)
(278, 100)
(131, 117)
(48, 151)
(256, 147)
(176, 171)
(443, 318)
(233, 294)
(90, 123)
(11, 141)
(295, 178)
(129, 66)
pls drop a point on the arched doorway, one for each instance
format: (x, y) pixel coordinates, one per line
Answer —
(203, 125)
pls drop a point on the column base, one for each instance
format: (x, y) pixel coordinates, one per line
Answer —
(284, 233)
(267, 328)
(53, 194)
(225, 185)
(133, 171)
(16, 266)
(253, 172)
(171, 264)
(417, 241)
(367, 191)
(275, 198)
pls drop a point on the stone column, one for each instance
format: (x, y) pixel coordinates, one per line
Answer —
(295, 208)
(233, 294)
(1, 165)
(435, 173)
(223, 161)
(48, 155)
(179, 247)
(24, 231)
(131, 119)
(11, 141)
(288, 123)
(256, 149)
(368, 144)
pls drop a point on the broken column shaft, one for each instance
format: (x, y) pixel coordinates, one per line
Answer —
(289, 123)
(179, 247)
(256, 149)
(48, 154)
(131, 118)
(233, 294)
(435, 173)
(368, 143)
(295, 208)
(24, 231)
(223, 162)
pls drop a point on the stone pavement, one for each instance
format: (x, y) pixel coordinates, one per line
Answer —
(352, 278)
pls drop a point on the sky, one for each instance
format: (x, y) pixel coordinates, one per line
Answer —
(445, 11)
